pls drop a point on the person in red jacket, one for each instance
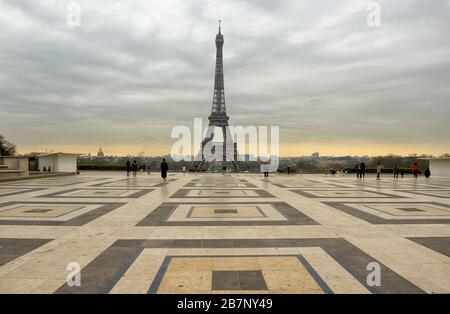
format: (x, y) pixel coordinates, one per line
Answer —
(415, 170)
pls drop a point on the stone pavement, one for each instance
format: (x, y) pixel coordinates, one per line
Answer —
(214, 233)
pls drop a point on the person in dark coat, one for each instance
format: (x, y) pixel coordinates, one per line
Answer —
(362, 173)
(135, 168)
(164, 169)
(427, 173)
(128, 168)
(396, 171)
(358, 170)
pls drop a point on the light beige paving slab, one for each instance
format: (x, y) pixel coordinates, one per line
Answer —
(43, 270)
(424, 267)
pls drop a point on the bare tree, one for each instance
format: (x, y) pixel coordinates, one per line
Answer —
(6, 148)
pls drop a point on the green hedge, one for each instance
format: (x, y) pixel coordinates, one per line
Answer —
(103, 167)
(384, 170)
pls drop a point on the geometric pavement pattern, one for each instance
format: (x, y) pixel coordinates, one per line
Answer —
(234, 233)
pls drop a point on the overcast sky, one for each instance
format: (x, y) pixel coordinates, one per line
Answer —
(135, 69)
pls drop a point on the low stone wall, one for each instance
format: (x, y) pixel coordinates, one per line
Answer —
(15, 163)
(37, 176)
(11, 173)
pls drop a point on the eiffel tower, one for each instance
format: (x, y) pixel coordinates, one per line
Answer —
(218, 117)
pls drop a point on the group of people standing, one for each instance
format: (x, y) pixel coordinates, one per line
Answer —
(415, 170)
(134, 167)
(361, 170)
(397, 171)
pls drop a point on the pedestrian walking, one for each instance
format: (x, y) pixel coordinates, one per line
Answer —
(396, 171)
(427, 173)
(164, 169)
(363, 170)
(358, 170)
(415, 170)
(128, 165)
(134, 167)
(379, 167)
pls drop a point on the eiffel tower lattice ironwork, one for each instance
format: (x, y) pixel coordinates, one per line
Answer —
(218, 117)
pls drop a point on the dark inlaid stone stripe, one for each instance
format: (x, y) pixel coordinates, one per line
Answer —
(410, 209)
(438, 244)
(60, 194)
(348, 209)
(251, 280)
(104, 272)
(225, 280)
(101, 275)
(375, 194)
(57, 181)
(39, 211)
(18, 192)
(76, 221)
(225, 211)
(325, 288)
(12, 248)
(299, 185)
(221, 185)
(430, 193)
(159, 217)
(183, 193)
(206, 180)
(238, 280)
(131, 183)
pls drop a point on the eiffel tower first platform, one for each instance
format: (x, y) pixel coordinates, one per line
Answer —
(218, 119)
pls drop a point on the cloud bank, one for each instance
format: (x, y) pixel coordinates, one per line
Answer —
(134, 70)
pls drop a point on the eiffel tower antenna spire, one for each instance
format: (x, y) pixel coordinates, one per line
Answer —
(218, 117)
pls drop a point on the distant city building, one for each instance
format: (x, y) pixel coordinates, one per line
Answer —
(100, 153)
(315, 155)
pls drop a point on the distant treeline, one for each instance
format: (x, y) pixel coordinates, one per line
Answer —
(384, 170)
(295, 164)
(101, 167)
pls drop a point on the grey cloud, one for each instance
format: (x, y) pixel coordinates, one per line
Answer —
(312, 67)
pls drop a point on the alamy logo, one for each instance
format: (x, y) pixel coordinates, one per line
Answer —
(374, 277)
(374, 16)
(235, 143)
(73, 14)
(74, 277)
